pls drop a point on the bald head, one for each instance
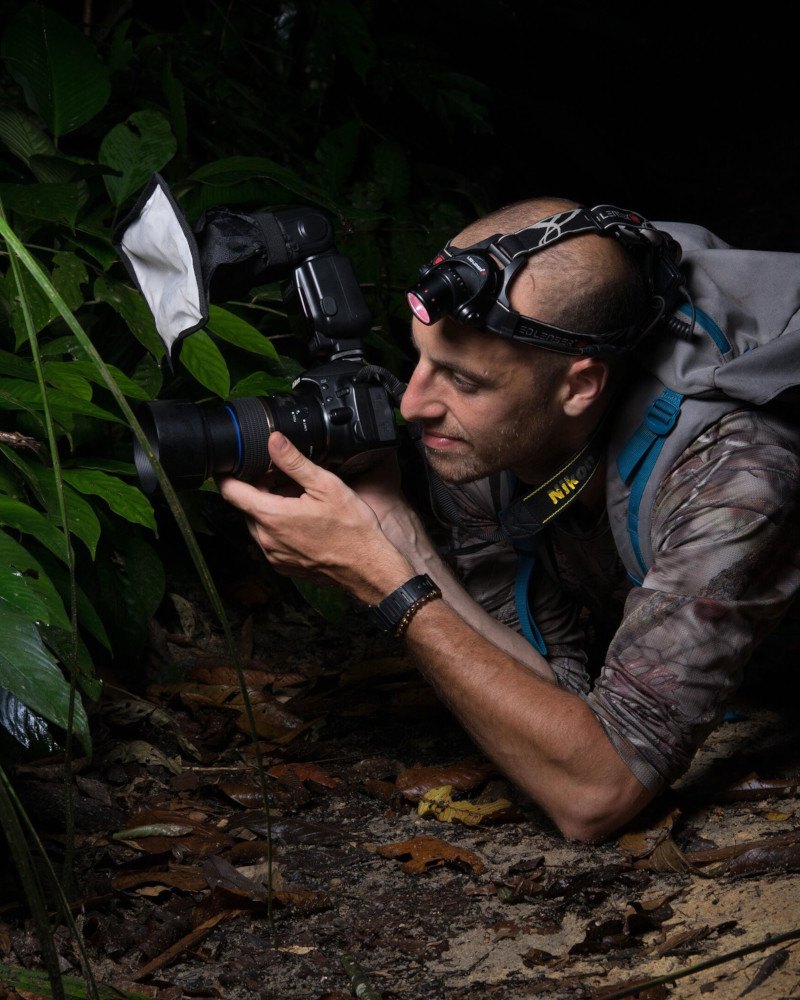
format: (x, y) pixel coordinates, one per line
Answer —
(586, 283)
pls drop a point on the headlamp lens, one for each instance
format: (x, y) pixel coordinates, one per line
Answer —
(419, 308)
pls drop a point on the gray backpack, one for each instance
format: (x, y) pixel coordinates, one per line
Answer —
(744, 351)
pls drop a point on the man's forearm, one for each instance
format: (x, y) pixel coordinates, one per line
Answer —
(545, 739)
(404, 529)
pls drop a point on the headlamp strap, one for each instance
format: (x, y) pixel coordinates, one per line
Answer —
(524, 518)
(601, 219)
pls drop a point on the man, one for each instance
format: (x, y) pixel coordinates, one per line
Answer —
(726, 569)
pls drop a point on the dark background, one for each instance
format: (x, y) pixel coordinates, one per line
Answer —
(679, 112)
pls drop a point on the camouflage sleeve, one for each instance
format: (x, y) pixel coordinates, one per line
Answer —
(726, 571)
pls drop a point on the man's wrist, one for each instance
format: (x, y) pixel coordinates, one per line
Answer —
(394, 613)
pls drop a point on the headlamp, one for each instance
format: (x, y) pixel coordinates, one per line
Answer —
(472, 285)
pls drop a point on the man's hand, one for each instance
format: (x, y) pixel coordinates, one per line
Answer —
(327, 531)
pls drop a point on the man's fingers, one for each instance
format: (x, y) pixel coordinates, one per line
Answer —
(291, 461)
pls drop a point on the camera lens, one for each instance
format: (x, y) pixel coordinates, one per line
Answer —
(194, 442)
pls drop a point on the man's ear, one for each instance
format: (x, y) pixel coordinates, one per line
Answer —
(584, 383)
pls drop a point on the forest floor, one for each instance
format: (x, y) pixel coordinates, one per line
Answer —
(385, 882)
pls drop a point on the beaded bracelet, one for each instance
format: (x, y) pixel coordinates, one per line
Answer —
(405, 621)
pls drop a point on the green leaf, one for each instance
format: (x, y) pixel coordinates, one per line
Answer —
(18, 595)
(201, 356)
(57, 67)
(127, 501)
(83, 522)
(330, 602)
(16, 556)
(20, 516)
(57, 577)
(63, 405)
(236, 169)
(69, 374)
(260, 384)
(24, 137)
(51, 202)
(69, 273)
(138, 148)
(128, 588)
(239, 332)
(30, 673)
(133, 309)
(63, 375)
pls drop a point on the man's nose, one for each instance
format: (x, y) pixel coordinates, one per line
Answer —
(419, 401)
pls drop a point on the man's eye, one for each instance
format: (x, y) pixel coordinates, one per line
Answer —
(464, 384)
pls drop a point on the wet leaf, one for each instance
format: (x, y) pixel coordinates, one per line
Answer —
(639, 843)
(184, 877)
(430, 852)
(440, 804)
(415, 782)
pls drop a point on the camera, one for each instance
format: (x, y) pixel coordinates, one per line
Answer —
(340, 413)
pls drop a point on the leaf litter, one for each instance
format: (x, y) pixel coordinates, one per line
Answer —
(401, 865)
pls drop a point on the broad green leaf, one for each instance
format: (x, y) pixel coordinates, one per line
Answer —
(201, 356)
(236, 169)
(30, 673)
(60, 643)
(129, 585)
(137, 148)
(260, 384)
(63, 405)
(127, 501)
(64, 374)
(50, 202)
(24, 137)
(57, 577)
(148, 376)
(83, 522)
(57, 67)
(17, 594)
(16, 366)
(239, 332)
(69, 273)
(133, 309)
(41, 309)
(18, 515)
(330, 602)
(17, 556)
(102, 250)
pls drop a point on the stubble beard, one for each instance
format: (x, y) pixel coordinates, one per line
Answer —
(530, 446)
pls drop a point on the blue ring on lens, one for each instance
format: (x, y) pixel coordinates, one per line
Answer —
(238, 435)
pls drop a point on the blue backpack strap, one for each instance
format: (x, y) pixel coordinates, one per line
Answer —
(525, 563)
(637, 459)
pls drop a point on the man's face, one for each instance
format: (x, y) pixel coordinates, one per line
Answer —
(483, 404)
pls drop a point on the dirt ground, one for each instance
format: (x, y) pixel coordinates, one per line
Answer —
(383, 885)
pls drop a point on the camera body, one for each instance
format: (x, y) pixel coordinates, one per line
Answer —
(340, 413)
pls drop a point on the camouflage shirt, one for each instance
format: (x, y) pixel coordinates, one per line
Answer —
(656, 663)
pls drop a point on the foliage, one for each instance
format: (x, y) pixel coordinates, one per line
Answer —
(264, 105)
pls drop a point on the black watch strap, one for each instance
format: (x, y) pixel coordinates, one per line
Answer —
(394, 612)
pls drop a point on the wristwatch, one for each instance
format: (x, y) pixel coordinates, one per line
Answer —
(394, 613)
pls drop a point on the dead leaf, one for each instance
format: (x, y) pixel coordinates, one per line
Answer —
(752, 788)
(181, 877)
(430, 852)
(639, 843)
(440, 804)
(305, 772)
(415, 782)
(768, 966)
